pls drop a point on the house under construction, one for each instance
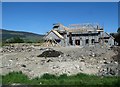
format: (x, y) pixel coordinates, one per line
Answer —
(78, 35)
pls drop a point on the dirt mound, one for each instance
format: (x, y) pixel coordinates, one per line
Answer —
(50, 53)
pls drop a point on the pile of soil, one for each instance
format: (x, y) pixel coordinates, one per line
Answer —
(50, 53)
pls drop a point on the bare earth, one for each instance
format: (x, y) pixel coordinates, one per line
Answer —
(91, 60)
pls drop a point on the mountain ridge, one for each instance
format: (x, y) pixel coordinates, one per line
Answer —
(26, 36)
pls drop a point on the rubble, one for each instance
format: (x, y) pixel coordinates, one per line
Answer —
(116, 58)
(57, 60)
(109, 70)
(17, 48)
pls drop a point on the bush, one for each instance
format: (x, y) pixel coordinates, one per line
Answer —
(63, 76)
(117, 36)
(48, 76)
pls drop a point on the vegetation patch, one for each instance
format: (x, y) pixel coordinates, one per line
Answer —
(48, 79)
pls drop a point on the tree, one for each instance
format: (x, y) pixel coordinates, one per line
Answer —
(117, 36)
(15, 40)
(118, 30)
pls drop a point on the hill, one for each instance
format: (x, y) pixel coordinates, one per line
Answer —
(26, 36)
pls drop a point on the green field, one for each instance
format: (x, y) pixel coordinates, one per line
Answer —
(48, 79)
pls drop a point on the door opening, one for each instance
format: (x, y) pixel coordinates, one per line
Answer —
(77, 42)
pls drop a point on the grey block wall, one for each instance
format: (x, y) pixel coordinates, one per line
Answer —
(65, 41)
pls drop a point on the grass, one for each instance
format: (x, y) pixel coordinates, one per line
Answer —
(49, 79)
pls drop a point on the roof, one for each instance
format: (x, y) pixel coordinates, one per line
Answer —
(56, 33)
(80, 29)
(110, 35)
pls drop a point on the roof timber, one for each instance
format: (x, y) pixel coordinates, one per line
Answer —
(55, 32)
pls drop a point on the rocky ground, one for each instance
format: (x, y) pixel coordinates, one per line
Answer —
(36, 60)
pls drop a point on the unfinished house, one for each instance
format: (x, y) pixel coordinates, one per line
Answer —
(78, 35)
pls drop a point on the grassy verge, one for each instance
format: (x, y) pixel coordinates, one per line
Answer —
(48, 79)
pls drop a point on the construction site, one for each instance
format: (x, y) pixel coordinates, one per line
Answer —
(78, 35)
(67, 50)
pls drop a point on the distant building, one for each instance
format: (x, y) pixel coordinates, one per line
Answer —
(79, 35)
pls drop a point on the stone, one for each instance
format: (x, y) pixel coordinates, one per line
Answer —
(16, 84)
(82, 60)
(77, 66)
(97, 67)
(105, 62)
(23, 65)
(10, 60)
(112, 72)
(93, 54)
(68, 55)
(54, 67)
(49, 60)
(81, 68)
(104, 58)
